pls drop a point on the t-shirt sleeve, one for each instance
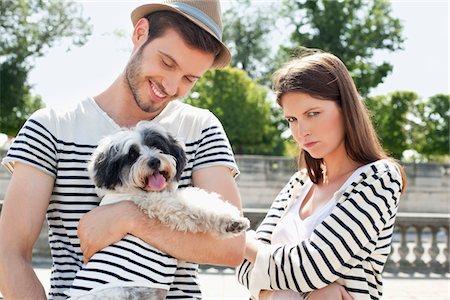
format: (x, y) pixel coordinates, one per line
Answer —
(214, 148)
(35, 145)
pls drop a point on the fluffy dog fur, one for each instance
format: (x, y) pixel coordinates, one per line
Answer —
(147, 163)
(144, 165)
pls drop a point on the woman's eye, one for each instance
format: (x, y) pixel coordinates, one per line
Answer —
(290, 119)
(313, 114)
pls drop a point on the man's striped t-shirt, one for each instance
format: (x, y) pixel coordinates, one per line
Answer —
(60, 143)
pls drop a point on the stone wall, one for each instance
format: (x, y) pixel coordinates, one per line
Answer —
(261, 178)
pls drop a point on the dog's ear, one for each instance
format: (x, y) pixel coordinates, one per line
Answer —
(106, 169)
(177, 151)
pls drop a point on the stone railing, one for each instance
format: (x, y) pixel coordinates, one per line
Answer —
(420, 242)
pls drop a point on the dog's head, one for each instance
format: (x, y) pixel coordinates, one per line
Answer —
(145, 158)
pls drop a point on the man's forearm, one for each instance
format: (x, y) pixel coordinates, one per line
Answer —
(18, 280)
(201, 248)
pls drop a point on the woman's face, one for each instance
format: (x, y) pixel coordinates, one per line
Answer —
(316, 124)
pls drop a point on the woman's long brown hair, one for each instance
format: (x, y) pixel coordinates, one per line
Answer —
(325, 76)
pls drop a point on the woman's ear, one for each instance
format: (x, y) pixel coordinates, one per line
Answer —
(140, 32)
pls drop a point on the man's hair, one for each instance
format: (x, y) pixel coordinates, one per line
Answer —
(324, 76)
(192, 34)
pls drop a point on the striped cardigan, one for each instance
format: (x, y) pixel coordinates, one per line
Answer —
(350, 246)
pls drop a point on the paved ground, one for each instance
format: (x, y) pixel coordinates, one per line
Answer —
(222, 285)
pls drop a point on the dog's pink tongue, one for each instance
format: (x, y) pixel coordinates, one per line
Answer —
(156, 182)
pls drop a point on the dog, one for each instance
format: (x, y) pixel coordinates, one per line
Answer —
(144, 164)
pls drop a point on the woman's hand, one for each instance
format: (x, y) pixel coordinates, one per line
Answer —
(332, 291)
(105, 225)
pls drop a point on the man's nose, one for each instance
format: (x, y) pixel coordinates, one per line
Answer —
(171, 86)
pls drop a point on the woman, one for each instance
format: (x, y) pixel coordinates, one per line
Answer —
(331, 226)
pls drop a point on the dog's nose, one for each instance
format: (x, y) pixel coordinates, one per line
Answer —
(154, 163)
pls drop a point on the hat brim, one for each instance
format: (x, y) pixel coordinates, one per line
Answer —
(222, 60)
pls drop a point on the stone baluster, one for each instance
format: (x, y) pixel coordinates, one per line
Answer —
(403, 251)
(418, 263)
(391, 266)
(446, 266)
(434, 265)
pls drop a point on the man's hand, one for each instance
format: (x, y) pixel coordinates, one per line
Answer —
(332, 291)
(105, 225)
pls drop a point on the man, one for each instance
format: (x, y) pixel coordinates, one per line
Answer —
(174, 44)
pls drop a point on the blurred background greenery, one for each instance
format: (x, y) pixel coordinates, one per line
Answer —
(411, 128)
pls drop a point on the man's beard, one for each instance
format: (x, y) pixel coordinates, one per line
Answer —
(133, 77)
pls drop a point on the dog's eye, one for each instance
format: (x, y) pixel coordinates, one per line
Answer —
(133, 153)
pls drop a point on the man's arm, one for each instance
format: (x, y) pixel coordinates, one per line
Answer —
(124, 217)
(21, 220)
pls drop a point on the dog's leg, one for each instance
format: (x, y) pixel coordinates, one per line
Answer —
(195, 210)
(125, 293)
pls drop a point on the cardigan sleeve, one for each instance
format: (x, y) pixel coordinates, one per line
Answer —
(264, 231)
(342, 241)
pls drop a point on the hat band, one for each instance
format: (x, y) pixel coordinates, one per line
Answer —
(199, 15)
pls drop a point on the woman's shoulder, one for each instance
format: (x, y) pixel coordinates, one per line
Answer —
(382, 168)
(299, 177)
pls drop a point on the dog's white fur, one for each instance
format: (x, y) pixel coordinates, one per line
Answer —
(188, 209)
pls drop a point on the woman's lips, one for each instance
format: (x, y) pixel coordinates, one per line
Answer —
(310, 144)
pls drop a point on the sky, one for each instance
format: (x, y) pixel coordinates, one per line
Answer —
(63, 78)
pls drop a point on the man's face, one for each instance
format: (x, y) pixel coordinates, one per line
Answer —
(163, 70)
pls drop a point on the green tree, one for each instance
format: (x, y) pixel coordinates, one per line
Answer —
(390, 115)
(247, 27)
(241, 105)
(28, 29)
(431, 131)
(351, 29)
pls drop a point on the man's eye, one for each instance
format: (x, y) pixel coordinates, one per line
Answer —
(189, 79)
(166, 64)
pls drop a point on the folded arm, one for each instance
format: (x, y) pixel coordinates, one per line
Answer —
(21, 220)
(337, 245)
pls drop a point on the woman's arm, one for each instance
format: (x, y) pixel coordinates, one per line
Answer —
(337, 245)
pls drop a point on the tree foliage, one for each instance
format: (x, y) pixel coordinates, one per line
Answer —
(351, 29)
(390, 117)
(430, 132)
(246, 32)
(28, 28)
(241, 105)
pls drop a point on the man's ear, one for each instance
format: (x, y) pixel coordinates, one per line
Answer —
(140, 32)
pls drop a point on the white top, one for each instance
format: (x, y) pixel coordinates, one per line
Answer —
(292, 230)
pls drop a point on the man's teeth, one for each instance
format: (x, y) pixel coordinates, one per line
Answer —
(157, 92)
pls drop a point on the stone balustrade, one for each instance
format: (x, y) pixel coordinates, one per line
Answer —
(261, 178)
(420, 242)
(421, 237)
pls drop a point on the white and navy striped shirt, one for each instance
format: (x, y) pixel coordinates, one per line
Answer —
(350, 246)
(60, 143)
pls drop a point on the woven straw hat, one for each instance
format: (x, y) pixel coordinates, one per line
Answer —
(204, 13)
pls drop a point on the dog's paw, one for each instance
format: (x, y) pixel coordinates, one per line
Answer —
(237, 226)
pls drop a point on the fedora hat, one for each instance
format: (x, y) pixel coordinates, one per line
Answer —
(204, 13)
